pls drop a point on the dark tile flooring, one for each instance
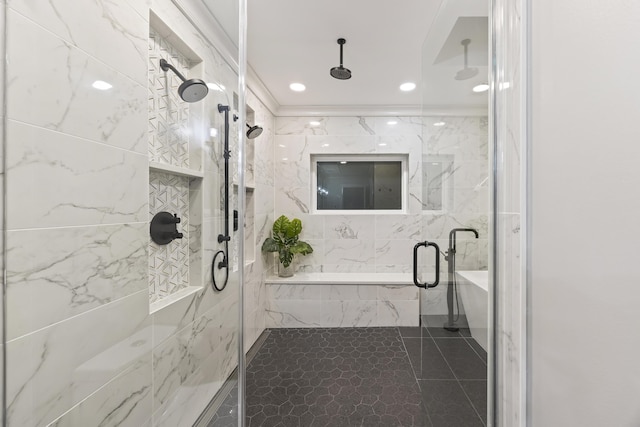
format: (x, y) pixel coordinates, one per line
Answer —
(419, 376)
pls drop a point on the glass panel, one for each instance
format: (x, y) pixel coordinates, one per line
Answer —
(357, 185)
(455, 194)
(117, 212)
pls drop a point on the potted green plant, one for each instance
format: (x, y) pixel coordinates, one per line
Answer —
(286, 241)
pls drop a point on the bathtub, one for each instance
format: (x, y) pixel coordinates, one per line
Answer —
(473, 287)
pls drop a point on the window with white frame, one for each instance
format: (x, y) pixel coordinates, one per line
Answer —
(359, 183)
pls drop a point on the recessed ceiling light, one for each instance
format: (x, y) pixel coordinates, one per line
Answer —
(101, 85)
(407, 87)
(392, 122)
(314, 123)
(439, 124)
(215, 86)
(297, 87)
(481, 88)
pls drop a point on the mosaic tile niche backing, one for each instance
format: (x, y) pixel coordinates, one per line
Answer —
(168, 113)
(169, 264)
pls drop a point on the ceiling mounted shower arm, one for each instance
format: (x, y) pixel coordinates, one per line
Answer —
(341, 42)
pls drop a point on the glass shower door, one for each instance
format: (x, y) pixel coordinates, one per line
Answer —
(107, 323)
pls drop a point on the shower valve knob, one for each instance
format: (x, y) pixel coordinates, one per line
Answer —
(163, 228)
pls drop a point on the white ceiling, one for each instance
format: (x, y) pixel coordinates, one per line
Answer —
(295, 41)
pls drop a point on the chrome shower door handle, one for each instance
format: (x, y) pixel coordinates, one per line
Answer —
(425, 285)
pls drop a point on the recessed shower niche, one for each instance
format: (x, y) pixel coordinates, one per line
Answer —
(175, 166)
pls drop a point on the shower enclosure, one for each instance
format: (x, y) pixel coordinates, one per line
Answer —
(111, 120)
(103, 324)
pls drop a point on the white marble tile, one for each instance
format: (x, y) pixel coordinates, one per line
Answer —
(335, 144)
(56, 273)
(192, 397)
(294, 314)
(178, 357)
(398, 226)
(350, 313)
(398, 313)
(125, 401)
(88, 24)
(395, 292)
(393, 268)
(403, 125)
(60, 96)
(292, 147)
(71, 181)
(57, 367)
(434, 300)
(395, 252)
(293, 200)
(349, 268)
(349, 251)
(349, 292)
(349, 226)
(294, 292)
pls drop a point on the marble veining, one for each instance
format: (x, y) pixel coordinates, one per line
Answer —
(61, 97)
(44, 281)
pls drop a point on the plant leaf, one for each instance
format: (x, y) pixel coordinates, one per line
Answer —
(302, 248)
(270, 245)
(294, 228)
(286, 256)
(280, 225)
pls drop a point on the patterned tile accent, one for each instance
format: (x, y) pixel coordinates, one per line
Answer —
(168, 113)
(169, 264)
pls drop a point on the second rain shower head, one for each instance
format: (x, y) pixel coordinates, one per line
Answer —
(254, 131)
(466, 72)
(340, 72)
(192, 90)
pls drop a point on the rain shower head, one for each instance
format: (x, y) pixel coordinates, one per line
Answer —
(466, 72)
(340, 72)
(192, 90)
(254, 131)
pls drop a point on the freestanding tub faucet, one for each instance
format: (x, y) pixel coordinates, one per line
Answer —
(451, 286)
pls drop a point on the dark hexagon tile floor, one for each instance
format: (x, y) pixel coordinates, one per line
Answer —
(333, 377)
(362, 377)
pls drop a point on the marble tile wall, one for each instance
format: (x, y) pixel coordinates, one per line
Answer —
(82, 347)
(383, 242)
(300, 305)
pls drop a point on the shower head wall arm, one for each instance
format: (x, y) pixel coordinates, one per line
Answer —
(166, 66)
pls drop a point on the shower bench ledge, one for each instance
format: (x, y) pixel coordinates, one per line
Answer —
(343, 279)
(330, 300)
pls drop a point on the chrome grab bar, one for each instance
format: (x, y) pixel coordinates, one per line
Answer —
(425, 285)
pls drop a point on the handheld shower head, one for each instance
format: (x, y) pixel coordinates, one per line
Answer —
(192, 90)
(254, 131)
(340, 72)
